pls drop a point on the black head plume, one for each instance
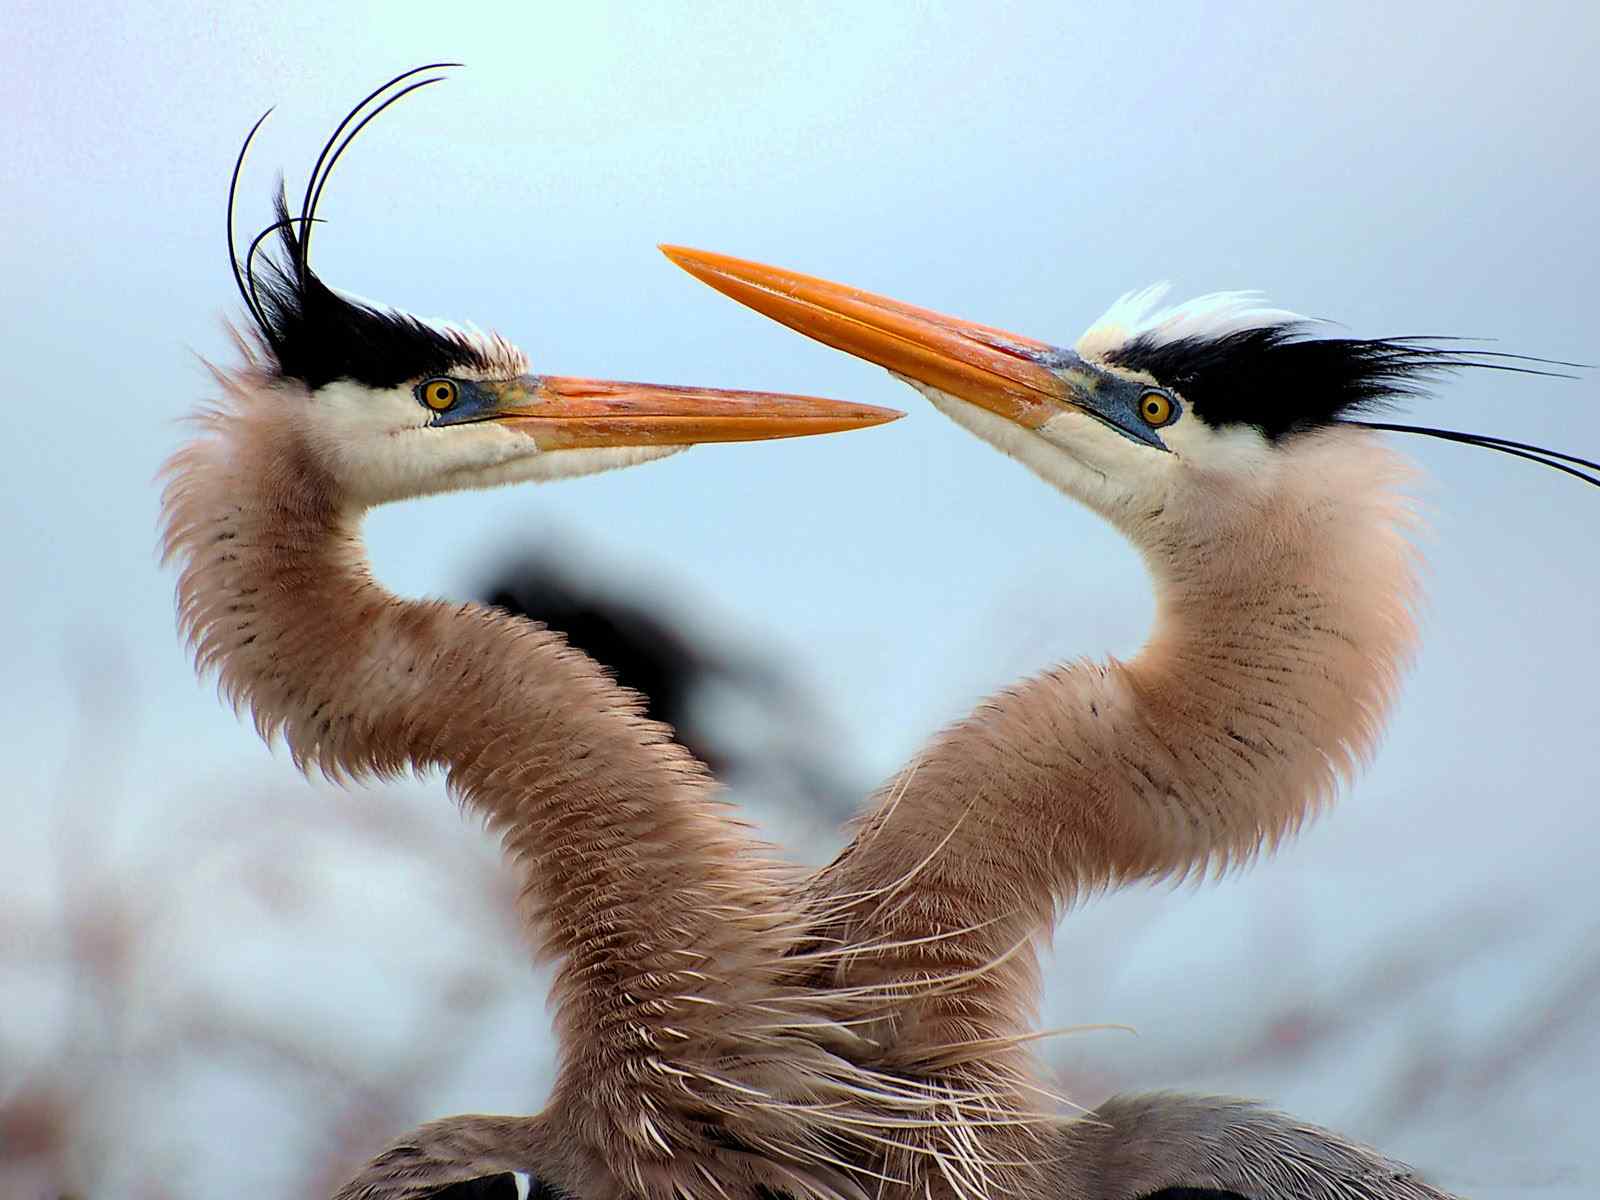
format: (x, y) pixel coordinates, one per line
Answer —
(1281, 381)
(313, 333)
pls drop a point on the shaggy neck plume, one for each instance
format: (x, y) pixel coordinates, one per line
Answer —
(1265, 682)
(665, 918)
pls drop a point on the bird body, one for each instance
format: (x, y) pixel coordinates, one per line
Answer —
(1171, 1146)
(1229, 729)
(668, 919)
(596, 805)
(1224, 442)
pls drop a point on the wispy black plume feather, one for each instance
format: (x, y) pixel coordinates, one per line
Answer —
(247, 292)
(1568, 464)
(1282, 382)
(317, 336)
(313, 333)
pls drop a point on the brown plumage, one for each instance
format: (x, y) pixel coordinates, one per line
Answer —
(1283, 618)
(728, 1029)
(668, 919)
(670, 922)
(1164, 1144)
(1224, 443)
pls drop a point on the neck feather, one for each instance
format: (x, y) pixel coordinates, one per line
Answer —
(668, 918)
(1265, 683)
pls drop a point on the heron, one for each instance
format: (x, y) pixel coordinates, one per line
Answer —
(702, 1053)
(1241, 455)
(667, 918)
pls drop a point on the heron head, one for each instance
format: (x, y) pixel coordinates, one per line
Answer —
(394, 405)
(1175, 422)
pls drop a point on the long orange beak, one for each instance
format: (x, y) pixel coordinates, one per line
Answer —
(1018, 378)
(567, 414)
(1021, 379)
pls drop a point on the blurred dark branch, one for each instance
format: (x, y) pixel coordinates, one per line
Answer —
(674, 668)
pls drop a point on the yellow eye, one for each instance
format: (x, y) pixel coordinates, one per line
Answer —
(1155, 408)
(439, 394)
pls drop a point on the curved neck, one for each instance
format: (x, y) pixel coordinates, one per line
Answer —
(666, 917)
(1265, 681)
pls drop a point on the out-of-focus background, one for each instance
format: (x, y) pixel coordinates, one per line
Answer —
(211, 969)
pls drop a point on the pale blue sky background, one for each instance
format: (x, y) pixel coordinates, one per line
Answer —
(1423, 168)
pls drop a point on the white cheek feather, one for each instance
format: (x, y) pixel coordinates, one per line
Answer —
(544, 466)
(379, 443)
(1073, 452)
(1117, 477)
(1006, 436)
(1234, 449)
(354, 409)
(365, 435)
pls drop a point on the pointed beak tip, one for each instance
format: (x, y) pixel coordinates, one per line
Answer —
(675, 252)
(844, 417)
(704, 264)
(874, 415)
(1006, 373)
